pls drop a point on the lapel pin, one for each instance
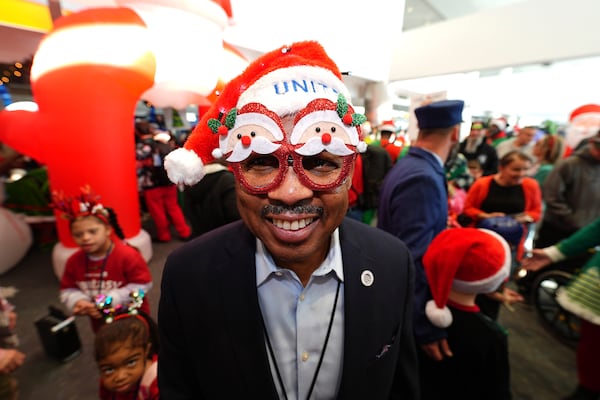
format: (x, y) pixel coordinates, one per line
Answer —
(367, 278)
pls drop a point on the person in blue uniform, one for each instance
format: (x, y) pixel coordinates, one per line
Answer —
(413, 204)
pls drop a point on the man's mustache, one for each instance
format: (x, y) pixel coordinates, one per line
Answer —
(299, 209)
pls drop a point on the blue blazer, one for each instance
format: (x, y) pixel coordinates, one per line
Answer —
(414, 207)
(212, 343)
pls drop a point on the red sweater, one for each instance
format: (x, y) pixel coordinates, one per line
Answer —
(124, 266)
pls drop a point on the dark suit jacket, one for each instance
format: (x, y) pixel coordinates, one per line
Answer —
(212, 342)
(211, 202)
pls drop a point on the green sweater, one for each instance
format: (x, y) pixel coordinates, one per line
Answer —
(578, 243)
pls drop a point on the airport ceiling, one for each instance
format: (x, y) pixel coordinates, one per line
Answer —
(20, 44)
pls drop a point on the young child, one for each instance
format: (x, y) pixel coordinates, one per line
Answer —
(126, 351)
(104, 265)
(460, 263)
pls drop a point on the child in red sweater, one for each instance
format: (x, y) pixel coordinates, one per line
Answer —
(104, 265)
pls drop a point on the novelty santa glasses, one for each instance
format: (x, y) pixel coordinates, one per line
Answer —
(261, 173)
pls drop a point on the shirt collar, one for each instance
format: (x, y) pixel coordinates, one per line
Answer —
(265, 266)
(439, 160)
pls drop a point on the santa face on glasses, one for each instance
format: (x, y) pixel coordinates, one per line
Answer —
(322, 127)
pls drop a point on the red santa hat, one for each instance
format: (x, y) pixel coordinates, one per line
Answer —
(467, 260)
(584, 109)
(388, 126)
(279, 83)
(500, 123)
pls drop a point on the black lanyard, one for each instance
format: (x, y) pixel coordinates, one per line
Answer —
(87, 267)
(314, 380)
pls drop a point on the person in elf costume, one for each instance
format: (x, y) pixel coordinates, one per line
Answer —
(581, 297)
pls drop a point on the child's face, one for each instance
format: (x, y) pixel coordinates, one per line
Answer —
(122, 370)
(91, 235)
(475, 171)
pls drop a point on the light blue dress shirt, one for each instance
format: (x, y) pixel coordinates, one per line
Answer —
(297, 318)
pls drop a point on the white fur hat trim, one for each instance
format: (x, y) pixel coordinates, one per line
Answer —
(184, 166)
(289, 89)
(440, 317)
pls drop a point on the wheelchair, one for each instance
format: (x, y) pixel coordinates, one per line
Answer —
(540, 288)
(561, 323)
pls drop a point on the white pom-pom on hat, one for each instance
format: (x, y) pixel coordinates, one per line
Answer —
(184, 166)
(217, 153)
(440, 317)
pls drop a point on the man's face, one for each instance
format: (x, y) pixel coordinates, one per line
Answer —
(293, 221)
(493, 130)
(525, 136)
(476, 130)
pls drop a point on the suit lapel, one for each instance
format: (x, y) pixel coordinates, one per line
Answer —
(240, 304)
(358, 311)
(242, 313)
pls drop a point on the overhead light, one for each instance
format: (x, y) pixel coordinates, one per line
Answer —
(191, 117)
(23, 106)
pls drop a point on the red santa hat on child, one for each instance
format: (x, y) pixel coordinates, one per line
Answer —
(297, 79)
(467, 260)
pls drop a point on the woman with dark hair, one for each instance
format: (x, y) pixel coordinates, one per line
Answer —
(508, 193)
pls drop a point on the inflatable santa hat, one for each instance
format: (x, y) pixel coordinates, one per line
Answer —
(584, 122)
(584, 109)
(467, 260)
(300, 80)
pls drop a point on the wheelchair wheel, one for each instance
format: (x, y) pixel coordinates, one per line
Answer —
(561, 323)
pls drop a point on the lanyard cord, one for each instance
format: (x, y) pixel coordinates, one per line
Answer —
(314, 380)
(87, 266)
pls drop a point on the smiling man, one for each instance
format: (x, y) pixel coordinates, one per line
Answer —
(294, 301)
